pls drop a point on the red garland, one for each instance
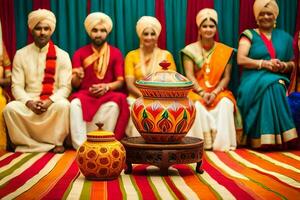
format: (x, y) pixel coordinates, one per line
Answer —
(49, 72)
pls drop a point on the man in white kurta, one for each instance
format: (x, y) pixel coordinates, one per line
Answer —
(38, 120)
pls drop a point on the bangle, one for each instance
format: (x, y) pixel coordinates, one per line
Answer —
(107, 88)
(201, 93)
(214, 93)
(285, 67)
(260, 64)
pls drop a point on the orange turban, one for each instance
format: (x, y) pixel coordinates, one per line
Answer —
(206, 13)
(260, 4)
(41, 15)
(95, 18)
(148, 22)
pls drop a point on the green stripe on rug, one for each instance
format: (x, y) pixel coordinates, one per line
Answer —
(135, 186)
(86, 190)
(124, 196)
(16, 166)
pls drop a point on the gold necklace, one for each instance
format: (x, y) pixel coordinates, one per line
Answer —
(206, 65)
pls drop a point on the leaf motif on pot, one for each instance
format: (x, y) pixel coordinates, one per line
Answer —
(175, 110)
(182, 124)
(137, 107)
(155, 109)
(148, 125)
(191, 109)
(165, 125)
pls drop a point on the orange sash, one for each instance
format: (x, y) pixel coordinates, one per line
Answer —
(100, 60)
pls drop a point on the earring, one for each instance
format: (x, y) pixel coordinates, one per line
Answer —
(274, 26)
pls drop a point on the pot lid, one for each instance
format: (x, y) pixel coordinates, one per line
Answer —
(100, 134)
(165, 78)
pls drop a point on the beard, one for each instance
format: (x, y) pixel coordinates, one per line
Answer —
(98, 42)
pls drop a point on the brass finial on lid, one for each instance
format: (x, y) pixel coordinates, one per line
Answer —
(100, 125)
(164, 64)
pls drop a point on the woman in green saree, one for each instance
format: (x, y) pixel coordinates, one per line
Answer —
(266, 56)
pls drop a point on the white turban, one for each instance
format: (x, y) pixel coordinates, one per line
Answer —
(41, 15)
(148, 22)
(260, 4)
(95, 18)
(206, 13)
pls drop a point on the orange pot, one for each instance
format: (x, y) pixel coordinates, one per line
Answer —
(163, 114)
(101, 157)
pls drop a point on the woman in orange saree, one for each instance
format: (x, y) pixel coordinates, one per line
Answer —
(208, 64)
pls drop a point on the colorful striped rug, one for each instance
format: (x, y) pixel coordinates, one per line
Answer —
(241, 174)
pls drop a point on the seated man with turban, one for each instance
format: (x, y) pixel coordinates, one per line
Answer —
(38, 120)
(98, 76)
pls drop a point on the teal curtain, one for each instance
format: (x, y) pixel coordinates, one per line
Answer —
(22, 9)
(228, 29)
(70, 15)
(124, 15)
(287, 15)
(175, 28)
(228, 22)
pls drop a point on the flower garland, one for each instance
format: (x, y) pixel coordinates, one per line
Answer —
(49, 72)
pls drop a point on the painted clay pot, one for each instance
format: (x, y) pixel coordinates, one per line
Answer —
(101, 156)
(163, 114)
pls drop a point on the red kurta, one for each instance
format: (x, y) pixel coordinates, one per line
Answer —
(91, 104)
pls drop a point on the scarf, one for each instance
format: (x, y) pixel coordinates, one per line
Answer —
(100, 60)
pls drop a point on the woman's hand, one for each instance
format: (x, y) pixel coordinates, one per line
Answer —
(209, 97)
(267, 64)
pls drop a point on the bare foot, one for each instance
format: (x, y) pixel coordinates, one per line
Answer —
(58, 149)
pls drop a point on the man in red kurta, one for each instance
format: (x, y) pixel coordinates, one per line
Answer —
(98, 76)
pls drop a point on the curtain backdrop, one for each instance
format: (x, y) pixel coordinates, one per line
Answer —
(175, 28)
(8, 26)
(177, 18)
(193, 7)
(160, 15)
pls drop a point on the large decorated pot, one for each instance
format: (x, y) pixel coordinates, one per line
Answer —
(101, 157)
(163, 114)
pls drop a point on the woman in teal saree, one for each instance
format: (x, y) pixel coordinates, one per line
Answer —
(266, 55)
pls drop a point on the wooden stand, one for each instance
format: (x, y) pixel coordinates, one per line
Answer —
(189, 150)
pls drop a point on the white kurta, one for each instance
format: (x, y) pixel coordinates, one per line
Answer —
(28, 131)
(106, 114)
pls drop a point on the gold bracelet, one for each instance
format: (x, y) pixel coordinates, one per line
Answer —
(106, 88)
(260, 64)
(201, 93)
(215, 93)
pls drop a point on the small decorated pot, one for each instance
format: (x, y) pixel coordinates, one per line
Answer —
(163, 114)
(101, 157)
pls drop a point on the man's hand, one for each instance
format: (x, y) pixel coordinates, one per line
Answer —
(35, 106)
(77, 77)
(39, 107)
(45, 104)
(80, 73)
(98, 90)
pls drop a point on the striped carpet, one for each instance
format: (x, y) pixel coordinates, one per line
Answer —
(241, 174)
